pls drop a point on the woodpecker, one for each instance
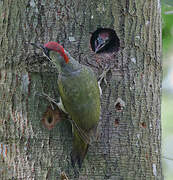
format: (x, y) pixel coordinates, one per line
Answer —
(80, 97)
(105, 43)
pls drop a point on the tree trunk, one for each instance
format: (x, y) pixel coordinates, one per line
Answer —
(128, 145)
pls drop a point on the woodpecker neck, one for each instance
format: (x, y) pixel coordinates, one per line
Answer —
(61, 65)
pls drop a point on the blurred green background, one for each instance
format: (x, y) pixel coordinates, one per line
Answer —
(167, 96)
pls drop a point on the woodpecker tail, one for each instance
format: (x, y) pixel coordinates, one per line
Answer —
(79, 150)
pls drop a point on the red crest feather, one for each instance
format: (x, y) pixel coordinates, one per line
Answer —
(54, 46)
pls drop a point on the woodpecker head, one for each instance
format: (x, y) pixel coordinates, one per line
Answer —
(102, 40)
(52, 48)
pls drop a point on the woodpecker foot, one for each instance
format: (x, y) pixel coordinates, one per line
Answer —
(51, 100)
(102, 77)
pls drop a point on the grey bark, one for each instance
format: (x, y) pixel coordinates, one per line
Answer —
(129, 132)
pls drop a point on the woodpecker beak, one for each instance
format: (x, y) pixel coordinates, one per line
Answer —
(99, 46)
(44, 49)
(37, 45)
(100, 43)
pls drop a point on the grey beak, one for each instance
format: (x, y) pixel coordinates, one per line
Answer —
(37, 45)
(44, 49)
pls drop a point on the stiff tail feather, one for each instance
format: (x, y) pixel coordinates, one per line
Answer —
(79, 151)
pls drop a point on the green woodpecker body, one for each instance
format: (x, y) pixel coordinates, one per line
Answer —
(80, 95)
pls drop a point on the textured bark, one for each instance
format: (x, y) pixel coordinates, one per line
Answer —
(129, 132)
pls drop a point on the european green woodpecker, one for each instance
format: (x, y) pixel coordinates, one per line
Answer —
(80, 96)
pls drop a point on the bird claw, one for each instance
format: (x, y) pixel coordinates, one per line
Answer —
(59, 104)
(102, 77)
(49, 99)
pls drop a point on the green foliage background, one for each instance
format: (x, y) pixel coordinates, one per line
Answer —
(167, 27)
